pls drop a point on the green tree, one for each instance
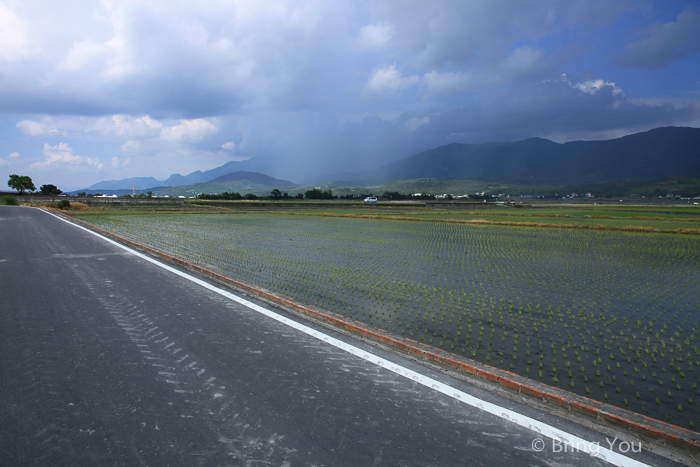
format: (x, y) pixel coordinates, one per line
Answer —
(21, 183)
(318, 194)
(49, 190)
(393, 195)
(276, 194)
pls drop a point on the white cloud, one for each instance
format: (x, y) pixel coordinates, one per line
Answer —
(196, 129)
(7, 163)
(388, 80)
(592, 87)
(125, 126)
(230, 146)
(118, 163)
(62, 155)
(38, 129)
(14, 35)
(131, 147)
(82, 54)
(113, 51)
(414, 123)
(449, 82)
(374, 36)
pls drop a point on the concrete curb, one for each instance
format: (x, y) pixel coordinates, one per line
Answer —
(656, 433)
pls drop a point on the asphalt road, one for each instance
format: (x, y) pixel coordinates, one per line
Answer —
(108, 359)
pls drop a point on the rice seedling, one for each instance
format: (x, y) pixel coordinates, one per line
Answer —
(619, 304)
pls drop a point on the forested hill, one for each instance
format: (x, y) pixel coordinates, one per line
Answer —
(255, 177)
(662, 152)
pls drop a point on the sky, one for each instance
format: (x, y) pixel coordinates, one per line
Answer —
(105, 90)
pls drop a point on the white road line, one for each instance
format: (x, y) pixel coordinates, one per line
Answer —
(540, 428)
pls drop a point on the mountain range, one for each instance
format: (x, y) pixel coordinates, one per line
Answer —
(206, 176)
(139, 183)
(662, 152)
(235, 182)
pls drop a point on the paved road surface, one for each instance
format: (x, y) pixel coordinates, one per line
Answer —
(108, 359)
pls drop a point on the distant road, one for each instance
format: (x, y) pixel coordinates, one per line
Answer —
(107, 358)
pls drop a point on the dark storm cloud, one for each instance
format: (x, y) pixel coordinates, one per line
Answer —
(556, 110)
(561, 110)
(439, 33)
(175, 86)
(174, 59)
(664, 43)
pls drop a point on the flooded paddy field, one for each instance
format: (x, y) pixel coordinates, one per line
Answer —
(610, 315)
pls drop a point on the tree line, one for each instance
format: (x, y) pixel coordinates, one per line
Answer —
(22, 183)
(314, 194)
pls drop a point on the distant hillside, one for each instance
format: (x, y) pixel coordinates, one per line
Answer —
(126, 184)
(663, 152)
(119, 192)
(254, 177)
(174, 180)
(240, 182)
(207, 175)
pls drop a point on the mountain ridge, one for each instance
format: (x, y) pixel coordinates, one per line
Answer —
(139, 183)
(662, 152)
(239, 181)
(207, 175)
(255, 177)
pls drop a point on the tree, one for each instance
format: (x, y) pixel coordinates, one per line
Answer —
(394, 195)
(318, 194)
(224, 195)
(49, 190)
(21, 183)
(276, 194)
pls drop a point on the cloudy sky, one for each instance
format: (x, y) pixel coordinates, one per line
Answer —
(103, 90)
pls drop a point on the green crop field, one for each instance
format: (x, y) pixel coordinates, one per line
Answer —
(610, 315)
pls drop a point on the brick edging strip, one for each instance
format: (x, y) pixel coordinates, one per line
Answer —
(601, 412)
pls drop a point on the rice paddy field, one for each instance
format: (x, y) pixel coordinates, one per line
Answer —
(610, 315)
